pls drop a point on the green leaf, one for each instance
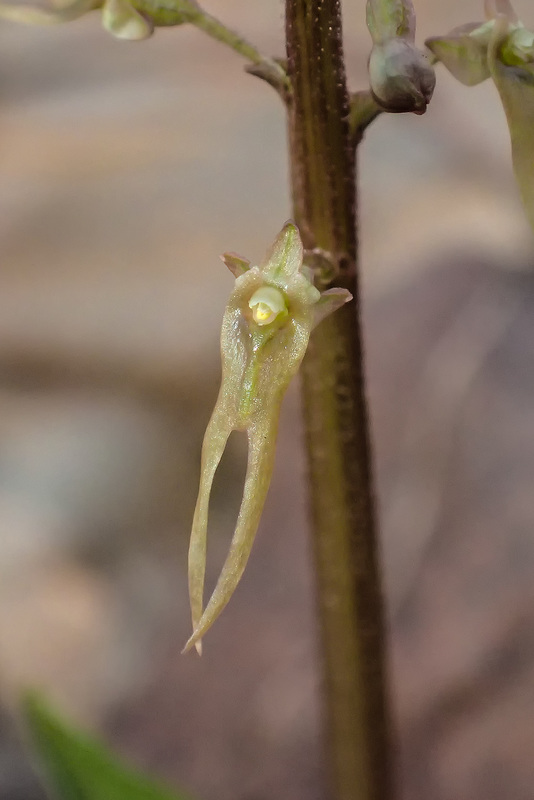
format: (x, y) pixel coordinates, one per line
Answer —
(76, 767)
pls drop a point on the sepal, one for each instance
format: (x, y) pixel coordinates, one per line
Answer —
(464, 52)
(237, 265)
(329, 302)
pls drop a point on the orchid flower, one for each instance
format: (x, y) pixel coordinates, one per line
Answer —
(133, 20)
(265, 331)
(501, 48)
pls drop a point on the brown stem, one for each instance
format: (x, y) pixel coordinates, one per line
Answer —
(345, 544)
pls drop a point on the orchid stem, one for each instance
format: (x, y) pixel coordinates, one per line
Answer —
(348, 576)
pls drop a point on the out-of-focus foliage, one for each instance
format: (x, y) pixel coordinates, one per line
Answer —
(75, 767)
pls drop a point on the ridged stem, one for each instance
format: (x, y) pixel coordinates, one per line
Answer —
(323, 172)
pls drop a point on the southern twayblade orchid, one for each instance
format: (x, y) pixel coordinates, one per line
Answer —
(265, 331)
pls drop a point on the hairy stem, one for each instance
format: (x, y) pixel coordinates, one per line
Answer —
(345, 543)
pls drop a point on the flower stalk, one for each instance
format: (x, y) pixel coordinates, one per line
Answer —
(323, 171)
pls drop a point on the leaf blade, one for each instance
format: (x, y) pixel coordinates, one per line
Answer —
(77, 767)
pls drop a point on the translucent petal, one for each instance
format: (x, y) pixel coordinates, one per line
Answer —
(463, 54)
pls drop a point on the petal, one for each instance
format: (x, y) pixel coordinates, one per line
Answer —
(464, 55)
(329, 302)
(237, 265)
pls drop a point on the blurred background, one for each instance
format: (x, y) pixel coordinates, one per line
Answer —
(124, 171)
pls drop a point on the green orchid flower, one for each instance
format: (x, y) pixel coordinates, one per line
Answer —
(132, 20)
(501, 48)
(265, 331)
(47, 15)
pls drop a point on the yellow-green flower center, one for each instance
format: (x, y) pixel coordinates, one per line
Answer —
(266, 304)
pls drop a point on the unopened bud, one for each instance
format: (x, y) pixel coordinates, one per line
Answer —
(401, 77)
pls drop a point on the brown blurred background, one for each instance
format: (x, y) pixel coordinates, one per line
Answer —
(124, 170)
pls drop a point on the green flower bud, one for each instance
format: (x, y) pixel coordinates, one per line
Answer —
(401, 77)
(265, 333)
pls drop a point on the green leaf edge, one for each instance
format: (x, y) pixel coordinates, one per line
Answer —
(75, 766)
